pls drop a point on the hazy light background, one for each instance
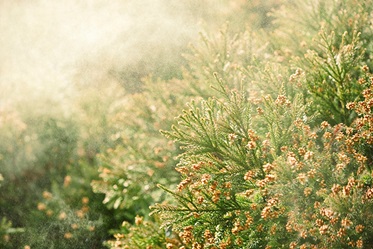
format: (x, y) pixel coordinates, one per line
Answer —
(66, 60)
(44, 44)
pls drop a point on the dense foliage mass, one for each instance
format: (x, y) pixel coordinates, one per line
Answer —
(264, 140)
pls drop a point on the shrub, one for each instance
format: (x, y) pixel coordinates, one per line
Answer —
(67, 213)
(282, 164)
(280, 184)
(31, 156)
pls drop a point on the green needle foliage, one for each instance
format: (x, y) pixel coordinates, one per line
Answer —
(334, 76)
(226, 169)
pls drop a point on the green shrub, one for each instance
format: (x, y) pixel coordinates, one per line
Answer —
(33, 155)
(68, 214)
(271, 146)
(284, 162)
(278, 184)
